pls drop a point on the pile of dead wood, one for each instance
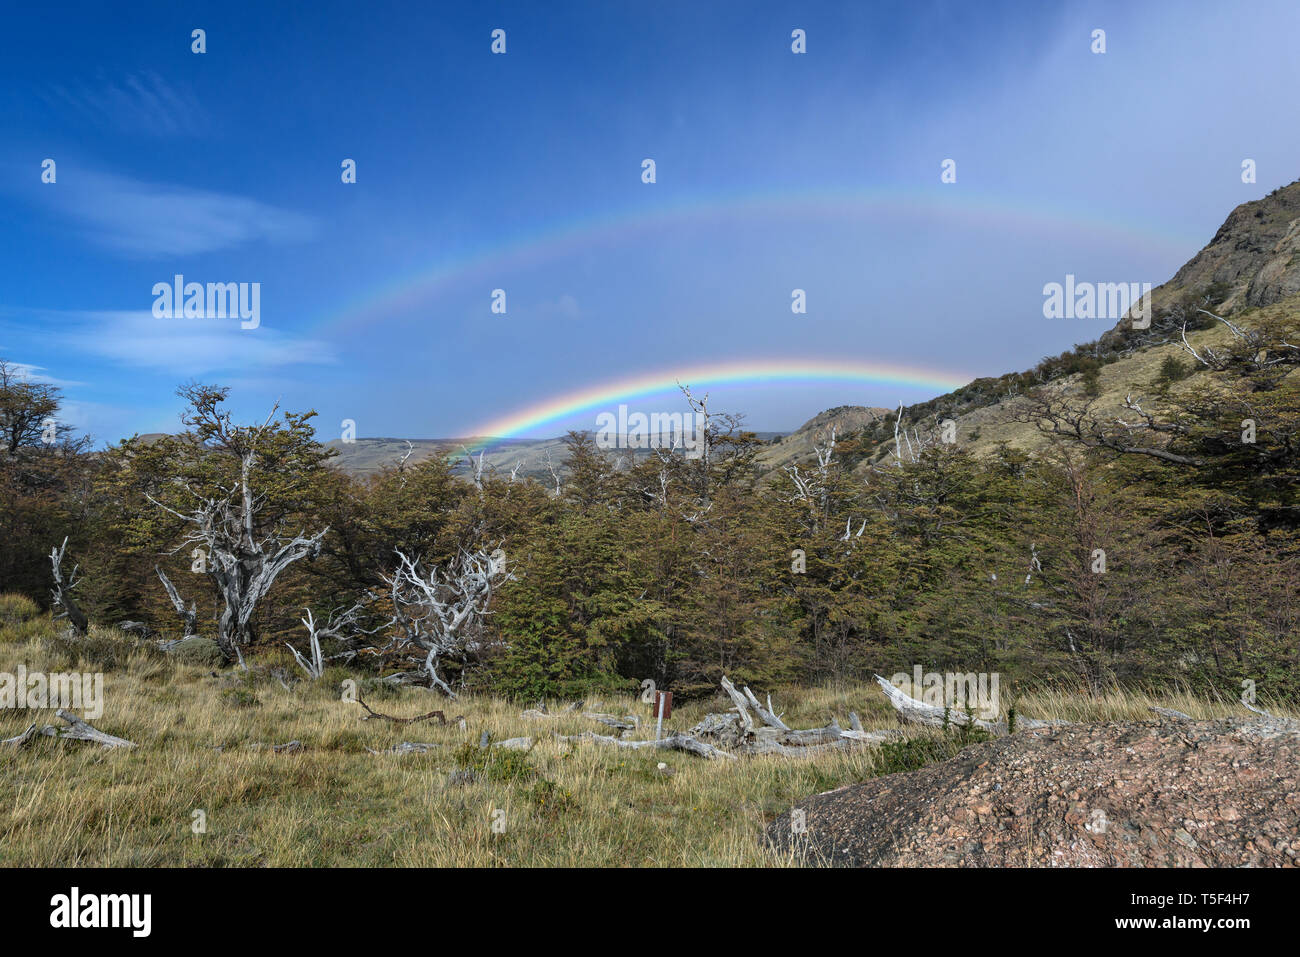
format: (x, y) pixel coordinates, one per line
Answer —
(751, 728)
(754, 727)
(763, 731)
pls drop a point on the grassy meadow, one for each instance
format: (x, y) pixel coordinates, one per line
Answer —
(205, 745)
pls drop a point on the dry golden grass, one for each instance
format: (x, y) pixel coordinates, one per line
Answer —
(65, 803)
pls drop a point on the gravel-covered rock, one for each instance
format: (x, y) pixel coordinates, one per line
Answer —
(1222, 793)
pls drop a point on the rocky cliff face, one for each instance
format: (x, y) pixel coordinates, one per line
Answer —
(1256, 253)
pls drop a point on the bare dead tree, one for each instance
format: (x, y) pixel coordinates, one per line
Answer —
(718, 433)
(1058, 417)
(334, 627)
(555, 475)
(701, 408)
(442, 612)
(909, 444)
(62, 592)
(659, 495)
(849, 534)
(810, 487)
(189, 616)
(1257, 349)
(1034, 564)
(476, 467)
(401, 462)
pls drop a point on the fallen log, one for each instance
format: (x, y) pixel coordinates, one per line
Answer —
(674, 742)
(370, 713)
(406, 678)
(408, 747)
(802, 744)
(918, 712)
(81, 731)
(1259, 711)
(629, 722)
(20, 741)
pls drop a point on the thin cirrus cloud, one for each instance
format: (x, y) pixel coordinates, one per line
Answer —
(138, 338)
(141, 103)
(152, 220)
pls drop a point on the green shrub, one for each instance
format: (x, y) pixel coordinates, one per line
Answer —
(241, 697)
(550, 799)
(16, 609)
(102, 649)
(494, 764)
(1171, 370)
(199, 651)
(912, 754)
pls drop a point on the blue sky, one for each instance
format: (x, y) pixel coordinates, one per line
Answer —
(225, 167)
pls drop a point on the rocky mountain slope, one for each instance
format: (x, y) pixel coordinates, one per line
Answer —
(1250, 270)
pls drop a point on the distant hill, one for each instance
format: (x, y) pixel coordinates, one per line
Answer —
(798, 446)
(533, 457)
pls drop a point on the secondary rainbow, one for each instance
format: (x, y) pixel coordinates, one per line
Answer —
(703, 378)
(492, 261)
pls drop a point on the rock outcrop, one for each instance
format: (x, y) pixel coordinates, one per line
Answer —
(1220, 793)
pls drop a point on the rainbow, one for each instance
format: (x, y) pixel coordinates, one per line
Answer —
(491, 263)
(950, 203)
(703, 378)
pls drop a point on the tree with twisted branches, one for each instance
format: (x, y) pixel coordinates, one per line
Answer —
(217, 492)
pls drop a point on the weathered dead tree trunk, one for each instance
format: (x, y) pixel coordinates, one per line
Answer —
(314, 662)
(62, 592)
(674, 742)
(20, 741)
(78, 731)
(918, 712)
(189, 616)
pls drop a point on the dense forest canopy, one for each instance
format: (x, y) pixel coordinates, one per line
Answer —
(1157, 546)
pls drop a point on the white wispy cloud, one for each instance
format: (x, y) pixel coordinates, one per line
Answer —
(35, 373)
(185, 347)
(141, 102)
(147, 219)
(153, 220)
